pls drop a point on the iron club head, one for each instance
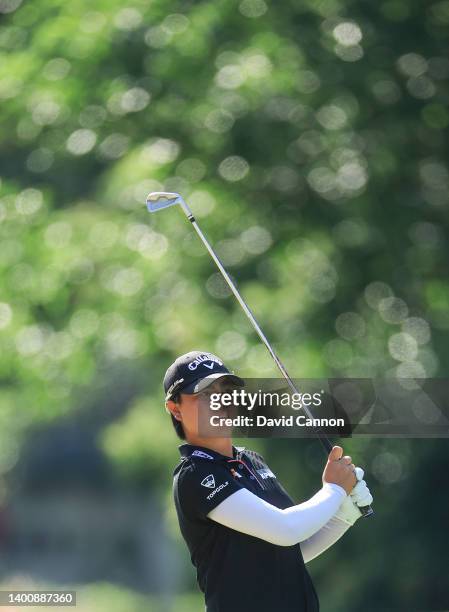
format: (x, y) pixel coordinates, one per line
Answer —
(161, 199)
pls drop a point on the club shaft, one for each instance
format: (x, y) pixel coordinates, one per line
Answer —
(325, 442)
(324, 439)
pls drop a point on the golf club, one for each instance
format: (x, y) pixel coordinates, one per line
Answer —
(160, 200)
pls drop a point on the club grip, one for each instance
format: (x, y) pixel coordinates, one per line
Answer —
(366, 511)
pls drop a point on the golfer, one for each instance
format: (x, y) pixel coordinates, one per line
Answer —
(247, 538)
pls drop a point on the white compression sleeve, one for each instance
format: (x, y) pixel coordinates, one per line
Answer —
(245, 512)
(323, 539)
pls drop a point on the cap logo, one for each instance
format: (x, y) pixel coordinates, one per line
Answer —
(201, 359)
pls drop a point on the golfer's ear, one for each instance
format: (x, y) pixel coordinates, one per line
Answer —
(173, 408)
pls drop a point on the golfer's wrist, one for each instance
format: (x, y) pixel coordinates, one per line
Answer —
(348, 512)
(337, 489)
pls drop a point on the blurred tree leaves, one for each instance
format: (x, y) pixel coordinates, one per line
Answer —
(309, 138)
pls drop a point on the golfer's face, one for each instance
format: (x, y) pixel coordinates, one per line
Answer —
(195, 408)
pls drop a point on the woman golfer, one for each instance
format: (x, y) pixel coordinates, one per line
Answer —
(247, 538)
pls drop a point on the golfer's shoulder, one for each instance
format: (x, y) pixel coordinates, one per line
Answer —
(255, 457)
(192, 470)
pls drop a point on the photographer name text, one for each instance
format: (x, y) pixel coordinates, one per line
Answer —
(283, 421)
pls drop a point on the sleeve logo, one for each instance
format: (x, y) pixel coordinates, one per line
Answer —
(219, 488)
(266, 473)
(209, 482)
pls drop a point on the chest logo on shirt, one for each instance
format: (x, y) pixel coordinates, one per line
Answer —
(266, 473)
(209, 482)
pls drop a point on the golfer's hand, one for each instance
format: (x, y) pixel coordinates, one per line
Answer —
(360, 496)
(340, 470)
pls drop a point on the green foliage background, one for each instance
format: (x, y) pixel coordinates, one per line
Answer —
(310, 140)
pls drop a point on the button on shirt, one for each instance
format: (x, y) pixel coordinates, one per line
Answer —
(235, 571)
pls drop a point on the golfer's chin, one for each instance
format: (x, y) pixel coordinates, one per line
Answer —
(214, 426)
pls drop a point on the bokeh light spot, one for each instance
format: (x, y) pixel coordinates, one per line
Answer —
(114, 146)
(387, 468)
(393, 310)
(403, 347)
(9, 6)
(347, 33)
(203, 202)
(253, 8)
(81, 142)
(135, 100)
(256, 240)
(233, 168)
(56, 69)
(418, 328)
(161, 151)
(40, 160)
(29, 201)
(128, 19)
(58, 234)
(5, 315)
(375, 292)
(331, 117)
(350, 325)
(412, 64)
(217, 287)
(84, 323)
(231, 345)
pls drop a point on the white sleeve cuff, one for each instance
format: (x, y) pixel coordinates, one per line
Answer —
(335, 487)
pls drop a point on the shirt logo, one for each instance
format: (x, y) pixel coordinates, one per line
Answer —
(201, 454)
(222, 486)
(209, 482)
(265, 473)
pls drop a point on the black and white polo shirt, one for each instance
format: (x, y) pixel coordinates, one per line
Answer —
(235, 571)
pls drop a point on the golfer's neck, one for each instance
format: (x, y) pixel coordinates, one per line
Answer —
(219, 445)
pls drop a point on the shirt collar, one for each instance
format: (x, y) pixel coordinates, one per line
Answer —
(188, 450)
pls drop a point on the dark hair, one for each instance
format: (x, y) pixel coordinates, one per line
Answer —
(177, 425)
